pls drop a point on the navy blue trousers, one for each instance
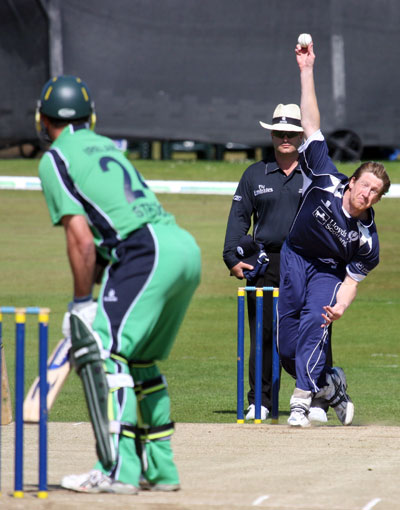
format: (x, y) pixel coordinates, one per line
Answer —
(306, 285)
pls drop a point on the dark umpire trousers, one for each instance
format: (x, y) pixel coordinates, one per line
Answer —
(270, 279)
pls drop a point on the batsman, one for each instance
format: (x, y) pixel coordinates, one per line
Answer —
(118, 235)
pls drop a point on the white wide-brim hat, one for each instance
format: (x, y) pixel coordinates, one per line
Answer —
(286, 117)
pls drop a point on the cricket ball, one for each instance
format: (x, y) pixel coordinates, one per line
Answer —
(304, 40)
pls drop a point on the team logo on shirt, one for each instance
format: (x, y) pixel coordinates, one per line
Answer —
(352, 235)
(262, 189)
(111, 297)
(321, 216)
(237, 198)
(330, 224)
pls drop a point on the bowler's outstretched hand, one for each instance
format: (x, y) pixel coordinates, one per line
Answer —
(305, 56)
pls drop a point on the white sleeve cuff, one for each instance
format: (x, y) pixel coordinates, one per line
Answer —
(356, 276)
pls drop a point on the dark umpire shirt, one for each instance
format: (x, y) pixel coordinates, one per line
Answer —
(269, 196)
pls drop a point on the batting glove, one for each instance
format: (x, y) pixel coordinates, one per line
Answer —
(87, 309)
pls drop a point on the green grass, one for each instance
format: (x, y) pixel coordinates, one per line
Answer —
(201, 370)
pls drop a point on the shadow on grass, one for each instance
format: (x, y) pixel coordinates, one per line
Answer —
(281, 413)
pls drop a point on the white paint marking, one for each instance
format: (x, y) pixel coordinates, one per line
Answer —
(387, 355)
(259, 500)
(371, 504)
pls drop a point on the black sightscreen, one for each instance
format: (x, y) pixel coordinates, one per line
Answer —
(207, 70)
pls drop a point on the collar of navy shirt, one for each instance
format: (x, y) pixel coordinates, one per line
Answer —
(272, 166)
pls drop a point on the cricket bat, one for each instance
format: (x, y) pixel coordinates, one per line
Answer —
(58, 368)
(6, 411)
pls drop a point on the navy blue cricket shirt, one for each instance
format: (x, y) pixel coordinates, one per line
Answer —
(322, 228)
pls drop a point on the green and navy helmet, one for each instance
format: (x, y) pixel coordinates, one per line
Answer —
(66, 98)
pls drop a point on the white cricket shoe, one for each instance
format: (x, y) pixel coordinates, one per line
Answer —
(300, 403)
(95, 481)
(298, 419)
(317, 414)
(318, 410)
(251, 412)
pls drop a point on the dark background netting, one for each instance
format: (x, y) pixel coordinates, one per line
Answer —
(24, 67)
(205, 70)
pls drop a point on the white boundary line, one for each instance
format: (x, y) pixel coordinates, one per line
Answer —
(185, 187)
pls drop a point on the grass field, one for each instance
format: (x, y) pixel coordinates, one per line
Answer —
(201, 371)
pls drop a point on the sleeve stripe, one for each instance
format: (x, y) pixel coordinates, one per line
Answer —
(356, 276)
(60, 178)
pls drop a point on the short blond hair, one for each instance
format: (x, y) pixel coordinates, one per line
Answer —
(378, 170)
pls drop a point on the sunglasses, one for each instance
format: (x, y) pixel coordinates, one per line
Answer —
(288, 134)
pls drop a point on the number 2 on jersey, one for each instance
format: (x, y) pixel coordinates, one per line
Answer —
(130, 193)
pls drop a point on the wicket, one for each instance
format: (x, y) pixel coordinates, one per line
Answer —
(258, 369)
(20, 321)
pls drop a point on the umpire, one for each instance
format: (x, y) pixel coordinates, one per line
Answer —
(268, 195)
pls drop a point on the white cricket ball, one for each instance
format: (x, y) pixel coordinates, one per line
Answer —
(304, 40)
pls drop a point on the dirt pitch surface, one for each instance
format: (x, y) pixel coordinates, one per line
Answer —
(229, 466)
